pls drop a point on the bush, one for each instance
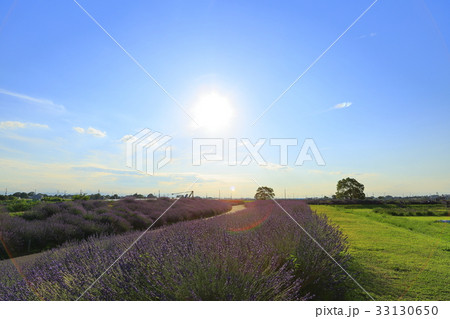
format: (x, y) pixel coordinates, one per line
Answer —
(20, 205)
(52, 199)
(49, 225)
(81, 197)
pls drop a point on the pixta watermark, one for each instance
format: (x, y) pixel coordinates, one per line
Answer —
(213, 150)
(141, 151)
(142, 148)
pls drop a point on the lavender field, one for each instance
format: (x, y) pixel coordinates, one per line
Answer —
(257, 253)
(49, 225)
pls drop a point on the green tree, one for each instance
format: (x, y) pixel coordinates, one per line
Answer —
(350, 188)
(22, 195)
(80, 197)
(96, 196)
(264, 192)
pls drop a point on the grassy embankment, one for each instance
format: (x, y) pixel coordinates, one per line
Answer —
(395, 257)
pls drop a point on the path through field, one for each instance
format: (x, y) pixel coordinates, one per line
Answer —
(235, 209)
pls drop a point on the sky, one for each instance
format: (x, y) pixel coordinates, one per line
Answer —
(374, 98)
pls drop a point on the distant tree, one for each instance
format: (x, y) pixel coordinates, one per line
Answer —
(151, 196)
(264, 192)
(22, 195)
(350, 188)
(96, 196)
(80, 197)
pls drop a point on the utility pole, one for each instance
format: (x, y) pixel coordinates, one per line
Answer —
(159, 193)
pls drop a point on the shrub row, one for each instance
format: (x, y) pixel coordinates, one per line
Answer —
(49, 225)
(255, 254)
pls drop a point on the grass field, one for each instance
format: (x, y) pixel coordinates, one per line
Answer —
(395, 257)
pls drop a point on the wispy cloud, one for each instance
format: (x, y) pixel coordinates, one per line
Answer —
(369, 35)
(111, 171)
(95, 132)
(126, 138)
(364, 174)
(44, 103)
(342, 105)
(276, 167)
(78, 129)
(321, 172)
(340, 173)
(11, 125)
(90, 130)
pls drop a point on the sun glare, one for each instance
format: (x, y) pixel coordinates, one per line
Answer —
(213, 111)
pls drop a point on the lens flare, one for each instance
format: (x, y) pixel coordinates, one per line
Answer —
(19, 270)
(252, 225)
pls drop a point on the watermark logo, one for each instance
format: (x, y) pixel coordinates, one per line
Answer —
(147, 151)
(212, 150)
(141, 150)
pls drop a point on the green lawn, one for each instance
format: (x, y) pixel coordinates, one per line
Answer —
(395, 257)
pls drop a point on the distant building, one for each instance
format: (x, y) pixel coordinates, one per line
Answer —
(37, 197)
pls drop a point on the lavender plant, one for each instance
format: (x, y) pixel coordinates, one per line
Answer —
(255, 254)
(50, 225)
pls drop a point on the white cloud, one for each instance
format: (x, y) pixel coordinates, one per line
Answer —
(90, 131)
(126, 138)
(46, 104)
(342, 105)
(78, 129)
(95, 132)
(37, 125)
(275, 167)
(370, 35)
(16, 124)
(321, 172)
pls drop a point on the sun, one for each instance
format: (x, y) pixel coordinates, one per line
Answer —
(213, 111)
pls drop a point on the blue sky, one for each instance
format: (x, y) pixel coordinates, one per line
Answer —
(69, 95)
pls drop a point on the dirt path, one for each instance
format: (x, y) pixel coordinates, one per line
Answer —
(236, 209)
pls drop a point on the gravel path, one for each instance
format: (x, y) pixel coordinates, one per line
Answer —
(235, 209)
